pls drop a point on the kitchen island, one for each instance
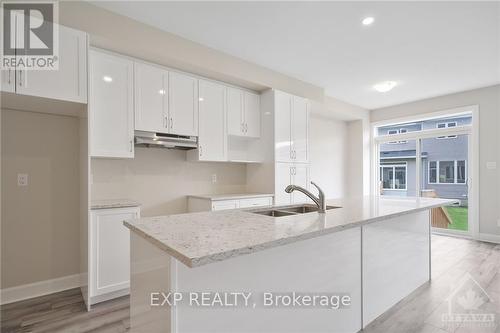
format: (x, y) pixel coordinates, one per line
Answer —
(234, 271)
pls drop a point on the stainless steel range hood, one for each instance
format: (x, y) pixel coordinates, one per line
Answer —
(161, 140)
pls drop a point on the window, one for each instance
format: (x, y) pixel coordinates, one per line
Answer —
(447, 125)
(393, 176)
(432, 172)
(447, 172)
(461, 176)
(400, 131)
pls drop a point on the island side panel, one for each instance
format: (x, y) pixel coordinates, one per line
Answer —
(326, 264)
(150, 272)
(396, 261)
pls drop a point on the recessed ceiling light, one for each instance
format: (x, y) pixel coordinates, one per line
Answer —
(385, 86)
(200, 99)
(161, 92)
(368, 20)
(107, 78)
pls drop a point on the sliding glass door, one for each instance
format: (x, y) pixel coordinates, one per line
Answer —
(444, 161)
(428, 158)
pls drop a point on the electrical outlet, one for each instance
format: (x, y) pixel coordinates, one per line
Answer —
(22, 179)
(214, 178)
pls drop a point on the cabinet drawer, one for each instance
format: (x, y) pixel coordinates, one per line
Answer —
(225, 204)
(255, 202)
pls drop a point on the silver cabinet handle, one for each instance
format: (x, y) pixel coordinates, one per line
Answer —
(171, 122)
(9, 76)
(165, 121)
(20, 78)
(242, 128)
(131, 145)
(246, 127)
(201, 151)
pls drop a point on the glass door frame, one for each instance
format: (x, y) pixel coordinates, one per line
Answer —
(472, 163)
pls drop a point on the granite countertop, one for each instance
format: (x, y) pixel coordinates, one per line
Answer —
(113, 203)
(232, 196)
(201, 238)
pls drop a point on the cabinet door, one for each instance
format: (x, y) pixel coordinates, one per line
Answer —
(69, 81)
(282, 126)
(235, 117)
(183, 104)
(212, 132)
(111, 106)
(110, 244)
(283, 178)
(7, 83)
(300, 130)
(225, 204)
(150, 92)
(252, 115)
(300, 178)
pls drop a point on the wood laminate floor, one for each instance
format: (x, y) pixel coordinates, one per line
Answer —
(453, 258)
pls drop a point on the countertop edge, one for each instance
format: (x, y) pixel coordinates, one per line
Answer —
(216, 257)
(219, 197)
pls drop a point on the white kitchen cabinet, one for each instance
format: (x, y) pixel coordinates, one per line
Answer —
(283, 127)
(212, 136)
(291, 128)
(69, 81)
(111, 108)
(8, 82)
(213, 203)
(243, 113)
(183, 104)
(300, 129)
(150, 98)
(300, 177)
(235, 117)
(109, 246)
(290, 174)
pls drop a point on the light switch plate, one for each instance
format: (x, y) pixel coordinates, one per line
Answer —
(491, 165)
(22, 179)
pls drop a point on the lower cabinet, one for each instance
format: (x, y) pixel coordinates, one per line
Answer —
(198, 204)
(109, 244)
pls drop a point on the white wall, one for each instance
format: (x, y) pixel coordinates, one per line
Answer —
(40, 222)
(488, 100)
(328, 154)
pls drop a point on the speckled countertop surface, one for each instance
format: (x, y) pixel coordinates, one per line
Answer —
(233, 196)
(113, 203)
(201, 238)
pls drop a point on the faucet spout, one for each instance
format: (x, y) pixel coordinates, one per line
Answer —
(319, 201)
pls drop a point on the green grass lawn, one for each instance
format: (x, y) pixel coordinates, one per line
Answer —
(459, 218)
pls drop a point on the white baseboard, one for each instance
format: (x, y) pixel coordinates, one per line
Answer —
(489, 238)
(26, 291)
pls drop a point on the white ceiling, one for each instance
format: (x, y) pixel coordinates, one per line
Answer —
(429, 48)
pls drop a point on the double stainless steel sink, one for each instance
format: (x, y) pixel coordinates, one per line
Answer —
(290, 210)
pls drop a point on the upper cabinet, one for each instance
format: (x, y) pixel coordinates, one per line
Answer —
(165, 102)
(291, 128)
(151, 98)
(111, 108)
(212, 139)
(243, 113)
(68, 82)
(183, 104)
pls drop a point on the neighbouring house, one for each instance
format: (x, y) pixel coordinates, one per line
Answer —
(444, 161)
